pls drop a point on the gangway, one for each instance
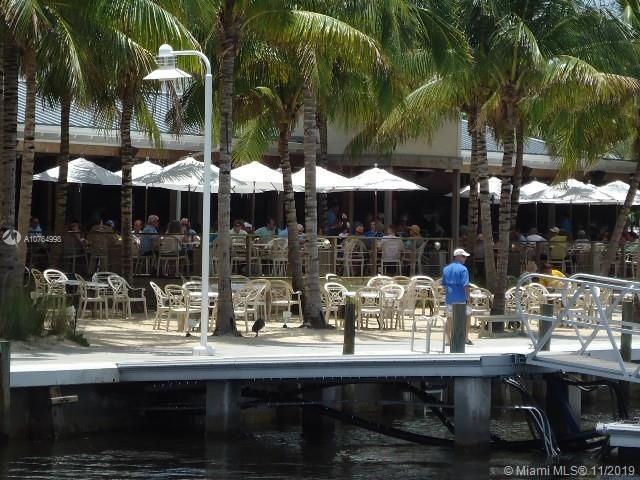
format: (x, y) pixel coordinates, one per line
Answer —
(591, 303)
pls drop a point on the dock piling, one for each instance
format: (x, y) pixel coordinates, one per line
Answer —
(222, 407)
(625, 343)
(472, 403)
(348, 346)
(5, 388)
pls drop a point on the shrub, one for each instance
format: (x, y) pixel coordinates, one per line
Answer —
(19, 318)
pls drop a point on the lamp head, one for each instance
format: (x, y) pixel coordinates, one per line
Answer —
(167, 69)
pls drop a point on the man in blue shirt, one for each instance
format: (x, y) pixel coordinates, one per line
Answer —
(455, 279)
(149, 237)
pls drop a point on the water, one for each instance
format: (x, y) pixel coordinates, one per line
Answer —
(352, 454)
(283, 453)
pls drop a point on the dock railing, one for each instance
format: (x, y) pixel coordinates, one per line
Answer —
(585, 301)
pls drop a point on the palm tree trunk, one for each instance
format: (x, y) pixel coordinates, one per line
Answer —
(28, 151)
(63, 168)
(472, 218)
(10, 274)
(323, 161)
(229, 41)
(517, 174)
(295, 262)
(623, 213)
(480, 131)
(313, 316)
(505, 212)
(126, 159)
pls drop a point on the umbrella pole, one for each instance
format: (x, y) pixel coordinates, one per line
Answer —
(146, 202)
(253, 206)
(375, 206)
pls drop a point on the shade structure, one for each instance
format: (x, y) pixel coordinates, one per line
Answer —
(140, 170)
(261, 177)
(326, 181)
(186, 175)
(532, 188)
(378, 180)
(81, 171)
(619, 190)
(494, 189)
(571, 192)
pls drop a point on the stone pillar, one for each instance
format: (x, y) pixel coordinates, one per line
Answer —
(222, 407)
(563, 406)
(472, 413)
(315, 425)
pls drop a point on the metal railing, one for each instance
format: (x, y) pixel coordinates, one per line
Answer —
(585, 301)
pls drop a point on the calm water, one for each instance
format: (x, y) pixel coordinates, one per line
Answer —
(270, 454)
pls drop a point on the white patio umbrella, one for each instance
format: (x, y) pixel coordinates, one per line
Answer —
(495, 184)
(81, 171)
(571, 192)
(618, 190)
(261, 178)
(326, 181)
(378, 180)
(532, 188)
(140, 170)
(186, 175)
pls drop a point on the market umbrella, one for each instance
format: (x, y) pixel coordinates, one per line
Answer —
(261, 178)
(81, 171)
(140, 170)
(619, 190)
(532, 188)
(571, 192)
(378, 180)
(186, 175)
(494, 188)
(326, 181)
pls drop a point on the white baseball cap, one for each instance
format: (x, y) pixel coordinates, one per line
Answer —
(461, 252)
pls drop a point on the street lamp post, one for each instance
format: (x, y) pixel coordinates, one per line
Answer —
(167, 71)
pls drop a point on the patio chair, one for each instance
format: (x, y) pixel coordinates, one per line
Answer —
(263, 302)
(192, 292)
(244, 303)
(170, 252)
(137, 295)
(284, 297)
(142, 264)
(401, 280)
(39, 285)
(369, 305)
(91, 296)
(329, 308)
(278, 255)
(354, 255)
(73, 252)
(98, 249)
(480, 302)
(391, 296)
(179, 308)
(103, 277)
(425, 294)
(379, 281)
(162, 306)
(120, 295)
(406, 307)
(391, 249)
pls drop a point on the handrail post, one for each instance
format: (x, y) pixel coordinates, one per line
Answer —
(546, 310)
(625, 342)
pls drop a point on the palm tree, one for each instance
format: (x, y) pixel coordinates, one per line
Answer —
(123, 49)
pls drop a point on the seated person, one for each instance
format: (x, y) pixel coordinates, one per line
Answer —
(73, 242)
(375, 230)
(548, 269)
(138, 226)
(238, 228)
(269, 229)
(149, 236)
(34, 227)
(557, 244)
(414, 237)
(391, 246)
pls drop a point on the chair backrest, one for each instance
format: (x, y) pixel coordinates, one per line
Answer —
(401, 280)
(238, 281)
(281, 290)
(192, 286)
(52, 275)
(118, 285)
(192, 293)
(378, 281)
(392, 290)
(102, 277)
(422, 280)
(336, 292)
(175, 295)
(161, 297)
(39, 282)
(354, 246)
(169, 246)
(370, 297)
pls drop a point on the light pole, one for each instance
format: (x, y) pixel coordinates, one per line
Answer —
(167, 71)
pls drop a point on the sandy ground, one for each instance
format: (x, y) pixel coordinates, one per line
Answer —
(115, 335)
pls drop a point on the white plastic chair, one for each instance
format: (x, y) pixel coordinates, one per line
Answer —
(162, 306)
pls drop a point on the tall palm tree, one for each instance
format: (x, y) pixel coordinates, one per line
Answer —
(123, 49)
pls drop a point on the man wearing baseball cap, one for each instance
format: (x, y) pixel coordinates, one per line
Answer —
(455, 279)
